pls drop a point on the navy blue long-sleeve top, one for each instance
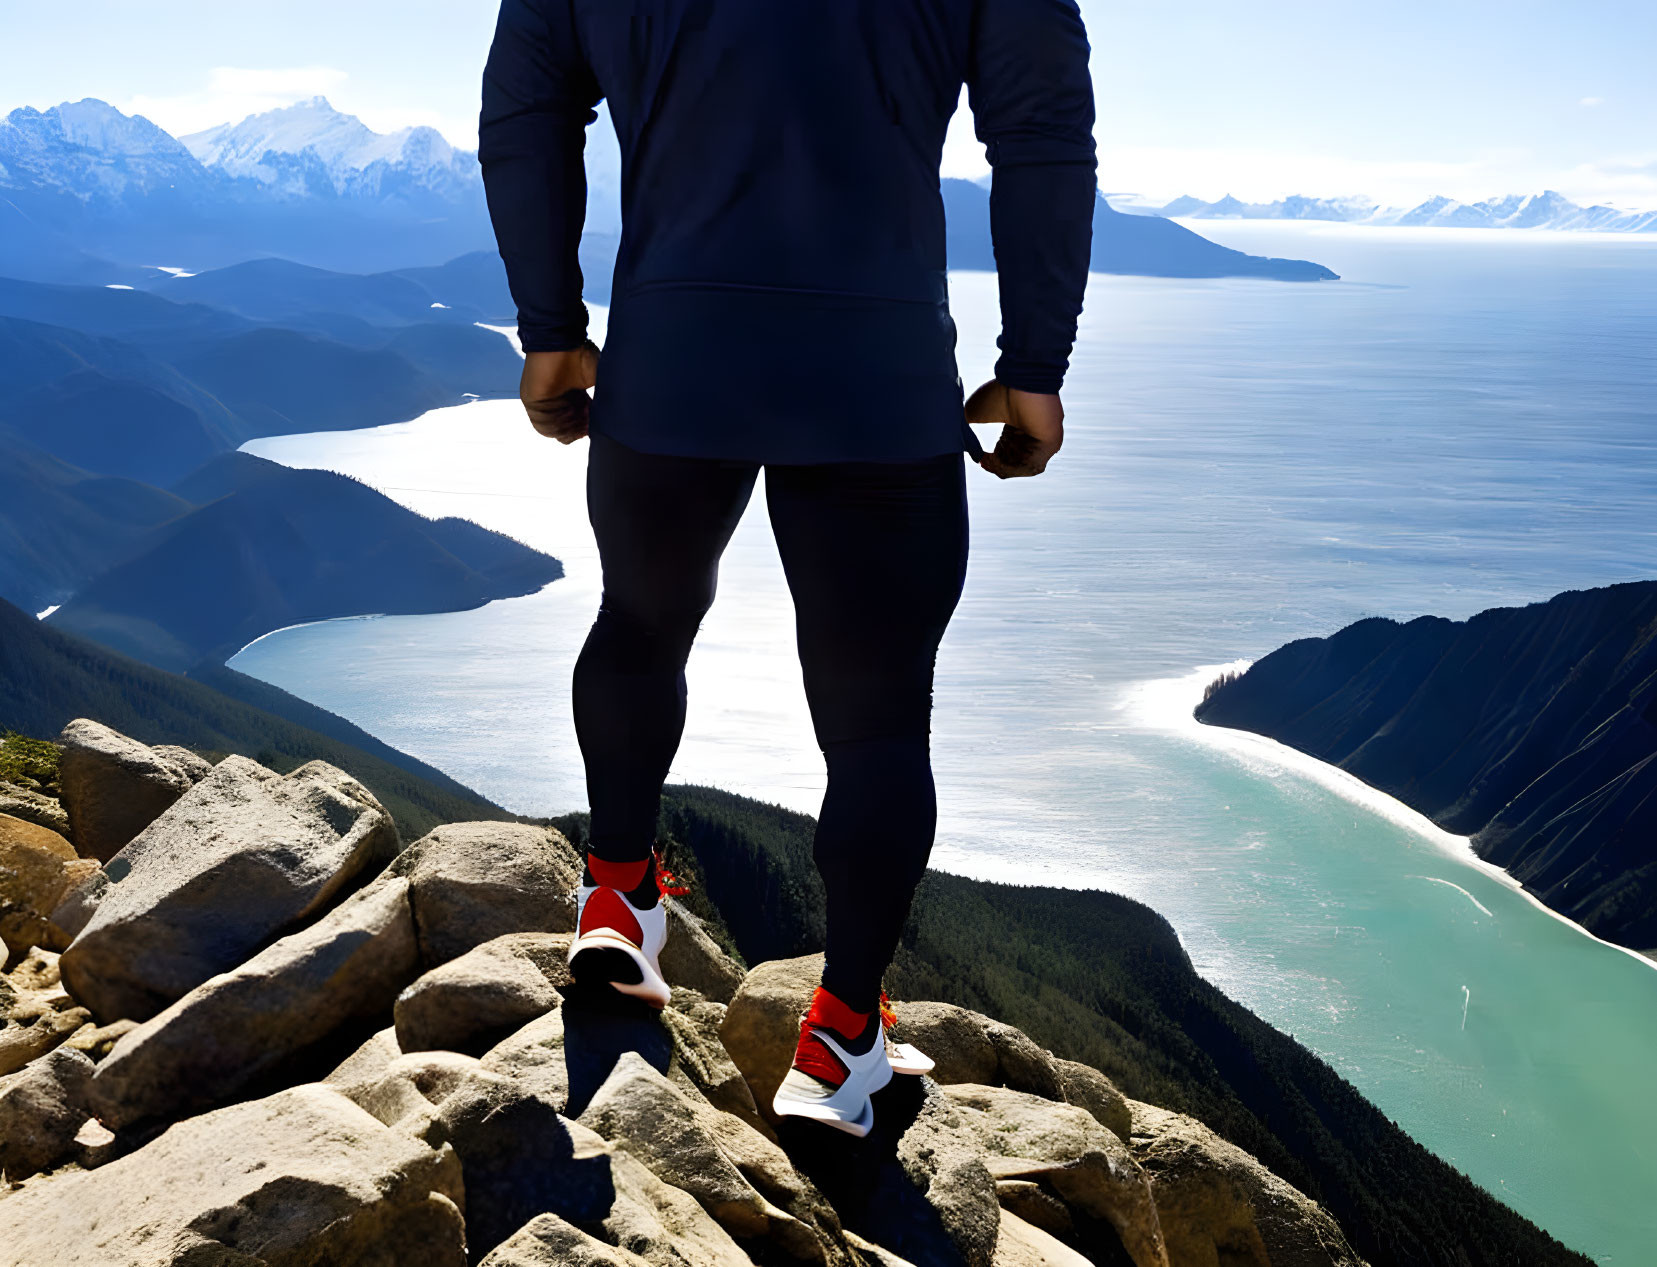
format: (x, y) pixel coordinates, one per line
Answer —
(779, 291)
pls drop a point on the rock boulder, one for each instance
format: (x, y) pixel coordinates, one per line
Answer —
(520, 1159)
(1022, 1244)
(243, 855)
(534, 1059)
(42, 1106)
(1027, 1137)
(473, 882)
(234, 1028)
(548, 1241)
(114, 787)
(1218, 1204)
(37, 867)
(33, 807)
(74, 909)
(472, 1002)
(301, 1178)
(642, 1111)
(693, 960)
(762, 1022)
(97, 1041)
(655, 1220)
(699, 1058)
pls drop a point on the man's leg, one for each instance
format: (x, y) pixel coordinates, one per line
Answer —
(661, 524)
(876, 557)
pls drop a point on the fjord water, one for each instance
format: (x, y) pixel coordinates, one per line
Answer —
(1466, 420)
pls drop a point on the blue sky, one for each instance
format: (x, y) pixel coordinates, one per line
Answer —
(1397, 100)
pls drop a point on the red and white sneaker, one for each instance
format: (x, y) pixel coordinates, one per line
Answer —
(619, 944)
(829, 1084)
(904, 1057)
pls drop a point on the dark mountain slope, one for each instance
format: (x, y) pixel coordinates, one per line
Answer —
(308, 363)
(272, 547)
(1533, 730)
(106, 405)
(274, 291)
(182, 384)
(60, 526)
(1102, 979)
(281, 381)
(135, 316)
(477, 280)
(463, 358)
(48, 678)
(117, 426)
(38, 251)
(1138, 245)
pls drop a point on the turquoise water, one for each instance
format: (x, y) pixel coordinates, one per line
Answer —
(1466, 420)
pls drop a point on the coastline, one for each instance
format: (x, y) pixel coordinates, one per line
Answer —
(1169, 704)
(303, 624)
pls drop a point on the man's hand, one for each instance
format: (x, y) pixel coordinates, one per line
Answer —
(1032, 430)
(554, 391)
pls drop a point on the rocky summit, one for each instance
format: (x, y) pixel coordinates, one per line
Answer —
(264, 1032)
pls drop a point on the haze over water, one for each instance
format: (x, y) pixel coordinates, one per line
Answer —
(1466, 420)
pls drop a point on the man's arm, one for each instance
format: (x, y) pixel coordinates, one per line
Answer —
(1032, 104)
(538, 98)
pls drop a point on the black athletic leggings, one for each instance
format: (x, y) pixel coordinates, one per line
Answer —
(875, 555)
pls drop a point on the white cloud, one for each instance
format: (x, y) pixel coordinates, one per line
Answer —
(232, 93)
(1628, 180)
(461, 132)
(1259, 174)
(1591, 102)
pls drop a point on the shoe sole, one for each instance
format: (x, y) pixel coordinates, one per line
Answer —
(910, 1062)
(600, 960)
(817, 1111)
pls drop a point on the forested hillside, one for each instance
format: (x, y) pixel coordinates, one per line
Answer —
(49, 678)
(263, 546)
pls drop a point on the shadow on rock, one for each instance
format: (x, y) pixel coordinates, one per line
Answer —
(866, 1182)
(599, 1027)
(519, 1161)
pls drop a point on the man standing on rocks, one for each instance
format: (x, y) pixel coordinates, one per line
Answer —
(780, 302)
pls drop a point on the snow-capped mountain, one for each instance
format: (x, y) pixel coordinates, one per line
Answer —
(311, 149)
(85, 188)
(1548, 210)
(92, 152)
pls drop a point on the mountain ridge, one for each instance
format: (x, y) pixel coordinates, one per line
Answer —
(309, 147)
(108, 397)
(1547, 210)
(313, 185)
